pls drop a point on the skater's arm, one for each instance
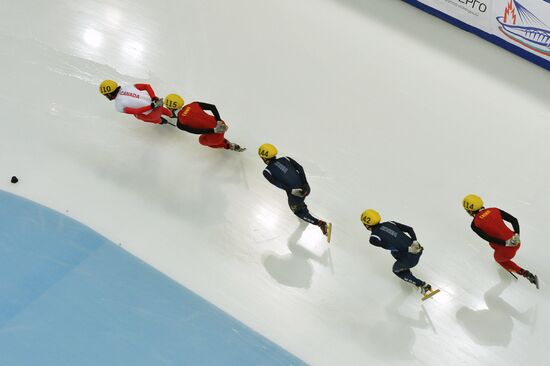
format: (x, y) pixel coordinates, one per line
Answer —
(196, 131)
(147, 88)
(212, 108)
(296, 166)
(407, 229)
(299, 169)
(486, 236)
(137, 110)
(377, 241)
(166, 112)
(272, 180)
(511, 219)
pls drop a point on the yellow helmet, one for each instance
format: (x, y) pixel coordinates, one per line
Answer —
(370, 217)
(472, 203)
(107, 86)
(267, 151)
(173, 101)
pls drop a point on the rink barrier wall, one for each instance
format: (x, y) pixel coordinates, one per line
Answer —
(540, 61)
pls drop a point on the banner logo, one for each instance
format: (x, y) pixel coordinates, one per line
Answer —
(523, 27)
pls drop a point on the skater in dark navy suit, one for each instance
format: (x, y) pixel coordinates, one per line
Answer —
(288, 175)
(401, 241)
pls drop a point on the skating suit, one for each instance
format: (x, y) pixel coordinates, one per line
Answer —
(393, 236)
(287, 174)
(489, 225)
(193, 118)
(136, 99)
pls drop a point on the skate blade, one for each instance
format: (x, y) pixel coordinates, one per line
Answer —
(329, 231)
(430, 294)
(537, 282)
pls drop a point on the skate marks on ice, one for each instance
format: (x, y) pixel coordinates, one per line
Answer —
(493, 325)
(295, 269)
(51, 73)
(429, 319)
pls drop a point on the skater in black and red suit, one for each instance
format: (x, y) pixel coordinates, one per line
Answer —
(489, 224)
(193, 118)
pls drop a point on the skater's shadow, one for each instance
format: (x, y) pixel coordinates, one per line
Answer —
(202, 196)
(492, 326)
(294, 269)
(189, 197)
(394, 338)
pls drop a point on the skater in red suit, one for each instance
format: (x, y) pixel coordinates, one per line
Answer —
(139, 100)
(489, 224)
(194, 119)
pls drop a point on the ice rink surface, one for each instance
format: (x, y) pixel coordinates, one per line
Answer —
(384, 106)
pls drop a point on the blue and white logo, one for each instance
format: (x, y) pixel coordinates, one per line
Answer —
(523, 27)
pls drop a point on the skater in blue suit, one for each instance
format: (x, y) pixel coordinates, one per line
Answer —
(401, 241)
(288, 175)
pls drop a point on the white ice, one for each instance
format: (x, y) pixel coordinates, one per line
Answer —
(384, 106)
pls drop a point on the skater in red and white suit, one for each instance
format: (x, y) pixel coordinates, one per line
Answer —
(138, 99)
(194, 119)
(489, 224)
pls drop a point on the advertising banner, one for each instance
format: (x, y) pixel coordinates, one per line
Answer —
(477, 13)
(520, 26)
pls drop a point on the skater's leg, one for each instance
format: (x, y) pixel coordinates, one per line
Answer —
(412, 259)
(401, 268)
(503, 256)
(299, 208)
(215, 140)
(153, 117)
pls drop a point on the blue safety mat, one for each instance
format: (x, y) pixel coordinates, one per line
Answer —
(69, 296)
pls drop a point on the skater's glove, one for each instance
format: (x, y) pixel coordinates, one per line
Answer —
(513, 241)
(415, 248)
(157, 103)
(298, 192)
(221, 127)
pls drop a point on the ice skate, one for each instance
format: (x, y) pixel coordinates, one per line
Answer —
(235, 147)
(326, 228)
(531, 277)
(427, 291)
